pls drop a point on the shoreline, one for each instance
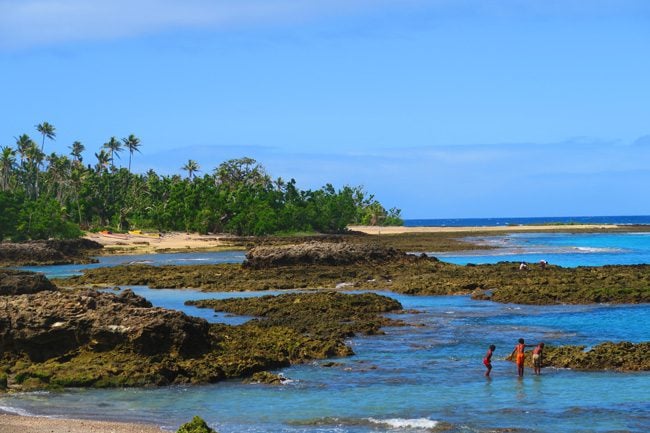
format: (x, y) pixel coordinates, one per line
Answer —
(175, 242)
(11, 423)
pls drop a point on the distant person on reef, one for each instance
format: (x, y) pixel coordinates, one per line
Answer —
(537, 358)
(519, 354)
(487, 361)
(523, 266)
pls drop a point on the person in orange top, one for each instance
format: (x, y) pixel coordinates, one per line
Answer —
(487, 361)
(519, 354)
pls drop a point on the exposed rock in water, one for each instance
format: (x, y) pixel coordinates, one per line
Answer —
(23, 283)
(49, 252)
(322, 253)
(623, 356)
(99, 339)
(50, 324)
(197, 425)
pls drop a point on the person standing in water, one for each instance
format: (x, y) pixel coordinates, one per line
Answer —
(487, 361)
(519, 354)
(537, 358)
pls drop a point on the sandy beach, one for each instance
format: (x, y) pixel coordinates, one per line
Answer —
(377, 230)
(26, 424)
(144, 243)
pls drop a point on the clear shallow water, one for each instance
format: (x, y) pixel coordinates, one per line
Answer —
(63, 271)
(564, 249)
(414, 375)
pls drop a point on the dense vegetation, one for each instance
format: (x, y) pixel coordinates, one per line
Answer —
(43, 196)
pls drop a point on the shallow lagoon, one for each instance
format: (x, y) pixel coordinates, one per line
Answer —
(416, 376)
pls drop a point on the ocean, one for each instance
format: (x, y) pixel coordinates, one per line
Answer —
(506, 221)
(421, 378)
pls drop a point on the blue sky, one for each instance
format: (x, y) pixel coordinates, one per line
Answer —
(441, 108)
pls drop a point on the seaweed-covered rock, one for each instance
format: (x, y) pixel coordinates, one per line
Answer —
(623, 356)
(49, 252)
(319, 314)
(22, 282)
(197, 425)
(328, 253)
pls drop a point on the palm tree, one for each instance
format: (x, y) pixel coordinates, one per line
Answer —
(103, 159)
(76, 149)
(7, 161)
(132, 143)
(23, 143)
(47, 130)
(191, 167)
(115, 147)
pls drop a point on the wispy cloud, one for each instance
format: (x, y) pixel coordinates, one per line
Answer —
(26, 23)
(43, 22)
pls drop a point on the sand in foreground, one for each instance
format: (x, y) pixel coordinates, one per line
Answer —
(26, 424)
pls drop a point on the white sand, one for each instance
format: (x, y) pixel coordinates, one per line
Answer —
(27, 424)
(375, 230)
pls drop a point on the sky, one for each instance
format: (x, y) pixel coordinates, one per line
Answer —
(442, 108)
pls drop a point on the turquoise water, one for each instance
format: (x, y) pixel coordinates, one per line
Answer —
(416, 378)
(569, 250)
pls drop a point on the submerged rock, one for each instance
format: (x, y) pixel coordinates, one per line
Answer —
(23, 282)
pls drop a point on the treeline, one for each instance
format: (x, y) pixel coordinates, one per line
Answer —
(45, 196)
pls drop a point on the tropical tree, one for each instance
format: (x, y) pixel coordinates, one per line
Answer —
(115, 147)
(132, 143)
(191, 167)
(23, 143)
(76, 149)
(46, 130)
(7, 161)
(103, 158)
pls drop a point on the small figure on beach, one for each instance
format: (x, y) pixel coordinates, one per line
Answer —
(487, 361)
(543, 263)
(519, 354)
(523, 266)
(537, 358)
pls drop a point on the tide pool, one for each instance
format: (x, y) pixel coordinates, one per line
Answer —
(412, 379)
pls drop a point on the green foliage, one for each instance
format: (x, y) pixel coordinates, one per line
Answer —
(197, 425)
(55, 196)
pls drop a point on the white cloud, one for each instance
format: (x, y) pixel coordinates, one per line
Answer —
(45, 22)
(25, 23)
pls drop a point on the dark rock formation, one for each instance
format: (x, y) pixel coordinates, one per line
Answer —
(22, 283)
(322, 253)
(99, 339)
(50, 252)
(623, 356)
(51, 324)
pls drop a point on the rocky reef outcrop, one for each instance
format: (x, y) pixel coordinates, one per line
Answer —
(622, 356)
(414, 275)
(47, 252)
(51, 324)
(55, 339)
(21, 283)
(321, 253)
